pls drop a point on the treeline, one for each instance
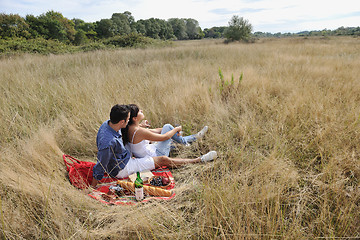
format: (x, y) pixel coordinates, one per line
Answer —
(341, 31)
(54, 26)
(51, 32)
(215, 32)
(219, 32)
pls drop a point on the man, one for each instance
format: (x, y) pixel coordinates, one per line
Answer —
(115, 159)
(112, 155)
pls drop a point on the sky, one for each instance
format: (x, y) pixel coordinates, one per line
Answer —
(264, 15)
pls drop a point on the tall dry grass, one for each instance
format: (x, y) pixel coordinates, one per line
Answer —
(288, 138)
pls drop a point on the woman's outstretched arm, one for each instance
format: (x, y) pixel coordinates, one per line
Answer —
(156, 130)
(147, 134)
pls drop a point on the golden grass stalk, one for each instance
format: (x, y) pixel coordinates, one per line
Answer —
(287, 136)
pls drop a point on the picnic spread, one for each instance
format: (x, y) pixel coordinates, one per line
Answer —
(158, 183)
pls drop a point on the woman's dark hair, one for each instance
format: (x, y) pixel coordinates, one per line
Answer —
(134, 110)
(118, 113)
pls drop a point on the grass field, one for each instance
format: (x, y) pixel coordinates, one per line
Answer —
(287, 134)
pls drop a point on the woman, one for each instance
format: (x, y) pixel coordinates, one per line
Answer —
(137, 138)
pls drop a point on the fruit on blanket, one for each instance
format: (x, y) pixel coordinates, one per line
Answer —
(165, 181)
(159, 181)
(156, 181)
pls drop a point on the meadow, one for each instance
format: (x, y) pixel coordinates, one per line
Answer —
(286, 128)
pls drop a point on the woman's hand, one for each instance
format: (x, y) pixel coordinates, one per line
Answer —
(178, 130)
(144, 124)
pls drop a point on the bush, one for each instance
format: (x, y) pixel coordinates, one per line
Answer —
(43, 46)
(130, 40)
(92, 47)
(40, 45)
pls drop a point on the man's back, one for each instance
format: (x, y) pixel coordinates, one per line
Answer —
(112, 155)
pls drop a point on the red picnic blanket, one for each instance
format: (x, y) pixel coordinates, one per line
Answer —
(80, 175)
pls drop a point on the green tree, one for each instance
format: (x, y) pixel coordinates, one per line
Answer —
(341, 31)
(13, 25)
(52, 25)
(179, 28)
(78, 23)
(209, 33)
(356, 31)
(86, 28)
(239, 29)
(80, 37)
(152, 27)
(124, 23)
(193, 29)
(104, 28)
(140, 27)
(214, 32)
(59, 27)
(166, 31)
(36, 27)
(131, 20)
(155, 28)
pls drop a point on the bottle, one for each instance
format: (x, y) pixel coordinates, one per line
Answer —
(139, 189)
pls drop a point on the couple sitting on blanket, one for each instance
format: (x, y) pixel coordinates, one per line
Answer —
(125, 134)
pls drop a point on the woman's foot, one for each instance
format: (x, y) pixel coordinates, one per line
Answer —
(202, 132)
(210, 156)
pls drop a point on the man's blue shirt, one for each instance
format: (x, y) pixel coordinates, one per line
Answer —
(112, 155)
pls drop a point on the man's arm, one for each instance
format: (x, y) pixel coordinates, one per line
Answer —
(100, 167)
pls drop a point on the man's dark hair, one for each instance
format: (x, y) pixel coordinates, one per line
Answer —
(118, 113)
